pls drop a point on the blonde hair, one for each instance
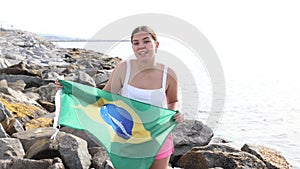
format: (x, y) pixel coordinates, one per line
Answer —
(144, 29)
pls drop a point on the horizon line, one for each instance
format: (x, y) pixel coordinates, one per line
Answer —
(87, 40)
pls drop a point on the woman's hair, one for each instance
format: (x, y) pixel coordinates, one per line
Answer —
(144, 29)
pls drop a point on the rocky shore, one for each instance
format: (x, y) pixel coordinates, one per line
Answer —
(29, 65)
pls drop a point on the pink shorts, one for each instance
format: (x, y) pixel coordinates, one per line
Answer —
(167, 148)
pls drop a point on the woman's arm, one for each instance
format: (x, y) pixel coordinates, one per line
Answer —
(116, 79)
(172, 95)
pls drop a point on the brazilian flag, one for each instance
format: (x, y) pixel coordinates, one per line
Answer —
(132, 132)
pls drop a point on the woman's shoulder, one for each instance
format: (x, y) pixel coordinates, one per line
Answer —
(120, 70)
(171, 73)
(121, 66)
(169, 69)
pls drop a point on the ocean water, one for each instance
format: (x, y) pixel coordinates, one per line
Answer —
(262, 96)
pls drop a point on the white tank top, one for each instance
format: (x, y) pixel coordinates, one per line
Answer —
(155, 97)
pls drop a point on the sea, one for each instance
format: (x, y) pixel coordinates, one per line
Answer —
(257, 102)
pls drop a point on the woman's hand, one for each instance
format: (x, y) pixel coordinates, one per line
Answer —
(58, 85)
(179, 117)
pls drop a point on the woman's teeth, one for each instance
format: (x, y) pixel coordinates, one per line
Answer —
(142, 53)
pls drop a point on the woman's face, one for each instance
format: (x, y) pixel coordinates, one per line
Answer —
(144, 47)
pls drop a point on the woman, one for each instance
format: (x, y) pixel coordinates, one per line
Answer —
(146, 80)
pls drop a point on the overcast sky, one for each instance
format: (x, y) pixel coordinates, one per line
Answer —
(267, 29)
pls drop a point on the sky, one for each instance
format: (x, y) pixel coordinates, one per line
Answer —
(266, 29)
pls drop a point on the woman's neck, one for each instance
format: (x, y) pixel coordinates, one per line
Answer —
(142, 65)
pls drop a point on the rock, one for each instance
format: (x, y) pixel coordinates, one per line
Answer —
(38, 64)
(3, 84)
(219, 155)
(16, 94)
(272, 158)
(99, 157)
(29, 137)
(18, 85)
(38, 123)
(10, 148)
(101, 78)
(4, 113)
(12, 125)
(217, 140)
(50, 76)
(23, 111)
(190, 133)
(4, 63)
(84, 78)
(18, 163)
(3, 133)
(107, 165)
(19, 69)
(50, 107)
(92, 142)
(74, 151)
(47, 92)
(57, 164)
(71, 149)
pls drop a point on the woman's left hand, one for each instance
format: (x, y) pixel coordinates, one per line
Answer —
(179, 117)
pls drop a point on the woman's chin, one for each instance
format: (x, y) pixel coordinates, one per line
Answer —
(144, 58)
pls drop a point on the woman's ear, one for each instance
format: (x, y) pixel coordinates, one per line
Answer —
(156, 46)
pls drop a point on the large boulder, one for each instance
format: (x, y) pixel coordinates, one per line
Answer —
(18, 163)
(10, 148)
(272, 158)
(71, 149)
(189, 134)
(219, 155)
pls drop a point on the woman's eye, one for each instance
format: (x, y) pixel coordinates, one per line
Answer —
(147, 41)
(135, 43)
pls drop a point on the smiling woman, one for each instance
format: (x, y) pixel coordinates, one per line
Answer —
(145, 80)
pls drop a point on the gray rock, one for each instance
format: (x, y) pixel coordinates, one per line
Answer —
(29, 137)
(31, 81)
(72, 150)
(99, 157)
(17, 85)
(190, 133)
(107, 165)
(12, 125)
(57, 164)
(47, 92)
(10, 148)
(3, 133)
(101, 77)
(92, 142)
(21, 163)
(4, 63)
(4, 113)
(84, 78)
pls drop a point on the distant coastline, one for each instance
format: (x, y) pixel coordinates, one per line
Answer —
(86, 40)
(58, 38)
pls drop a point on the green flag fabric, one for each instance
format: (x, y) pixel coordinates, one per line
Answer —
(132, 132)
